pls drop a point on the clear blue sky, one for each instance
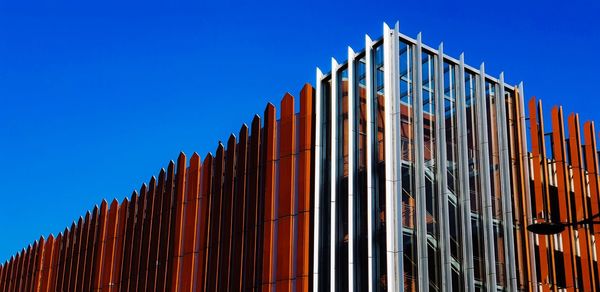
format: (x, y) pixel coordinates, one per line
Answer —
(96, 97)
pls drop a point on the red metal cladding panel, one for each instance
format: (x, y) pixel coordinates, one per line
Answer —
(269, 252)
(190, 232)
(115, 281)
(522, 212)
(11, 275)
(179, 218)
(286, 210)
(170, 254)
(517, 188)
(203, 222)
(50, 263)
(546, 187)
(14, 286)
(239, 202)
(91, 249)
(6, 270)
(146, 242)
(215, 222)
(75, 255)
(34, 268)
(304, 188)
(62, 265)
(82, 259)
(23, 269)
(28, 265)
(57, 268)
(99, 247)
(35, 282)
(6, 280)
(581, 202)
(20, 267)
(46, 263)
(226, 216)
(564, 200)
(2, 276)
(69, 258)
(128, 251)
(15, 274)
(7, 276)
(166, 229)
(31, 267)
(18, 270)
(132, 277)
(154, 235)
(26, 268)
(53, 270)
(149, 243)
(539, 196)
(15, 279)
(592, 170)
(109, 246)
(252, 195)
(37, 279)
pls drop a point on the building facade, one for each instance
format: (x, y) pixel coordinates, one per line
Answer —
(404, 169)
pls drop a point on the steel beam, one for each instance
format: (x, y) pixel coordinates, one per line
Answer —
(442, 174)
(317, 178)
(370, 146)
(393, 197)
(463, 167)
(351, 168)
(504, 153)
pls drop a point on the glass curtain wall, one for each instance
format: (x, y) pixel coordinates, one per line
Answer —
(407, 163)
(360, 177)
(325, 190)
(430, 169)
(379, 167)
(450, 72)
(342, 181)
(450, 126)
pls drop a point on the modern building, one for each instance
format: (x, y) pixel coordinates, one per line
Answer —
(404, 170)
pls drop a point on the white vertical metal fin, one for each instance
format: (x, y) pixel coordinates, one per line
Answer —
(463, 174)
(442, 175)
(525, 162)
(369, 150)
(317, 178)
(507, 200)
(419, 170)
(392, 195)
(351, 169)
(334, 171)
(484, 170)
